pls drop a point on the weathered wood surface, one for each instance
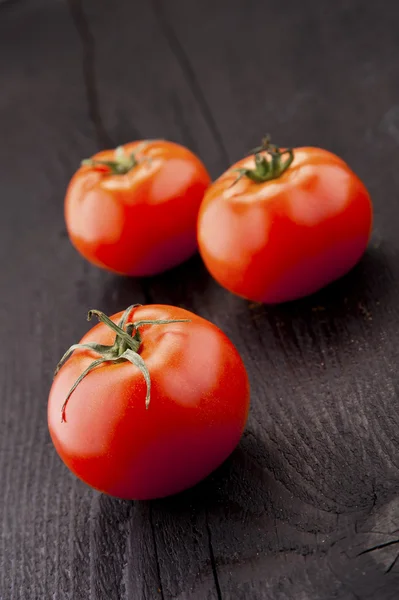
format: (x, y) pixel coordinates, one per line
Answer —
(307, 507)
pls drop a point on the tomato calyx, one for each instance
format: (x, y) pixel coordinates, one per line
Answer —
(125, 348)
(122, 163)
(268, 167)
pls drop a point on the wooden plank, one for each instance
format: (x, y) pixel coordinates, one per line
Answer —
(52, 526)
(319, 449)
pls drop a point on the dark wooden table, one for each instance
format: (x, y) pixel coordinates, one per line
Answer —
(308, 506)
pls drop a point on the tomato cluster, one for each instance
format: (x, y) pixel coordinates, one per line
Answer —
(154, 399)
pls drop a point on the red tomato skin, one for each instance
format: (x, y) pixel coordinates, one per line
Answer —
(281, 240)
(198, 409)
(143, 222)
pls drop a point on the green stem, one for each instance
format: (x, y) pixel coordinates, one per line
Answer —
(126, 347)
(121, 164)
(121, 336)
(269, 167)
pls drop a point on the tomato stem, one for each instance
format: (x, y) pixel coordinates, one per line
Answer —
(125, 348)
(270, 162)
(122, 163)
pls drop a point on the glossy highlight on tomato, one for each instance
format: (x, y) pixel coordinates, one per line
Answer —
(134, 210)
(139, 439)
(281, 224)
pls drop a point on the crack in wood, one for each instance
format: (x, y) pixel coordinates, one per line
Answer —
(213, 561)
(391, 566)
(85, 34)
(379, 547)
(160, 590)
(192, 80)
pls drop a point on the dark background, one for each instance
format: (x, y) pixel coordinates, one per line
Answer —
(307, 507)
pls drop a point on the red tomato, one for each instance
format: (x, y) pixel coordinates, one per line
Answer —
(284, 223)
(134, 210)
(137, 442)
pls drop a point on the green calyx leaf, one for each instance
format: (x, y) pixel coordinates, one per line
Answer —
(270, 163)
(125, 348)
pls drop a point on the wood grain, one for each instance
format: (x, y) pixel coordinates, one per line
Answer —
(307, 507)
